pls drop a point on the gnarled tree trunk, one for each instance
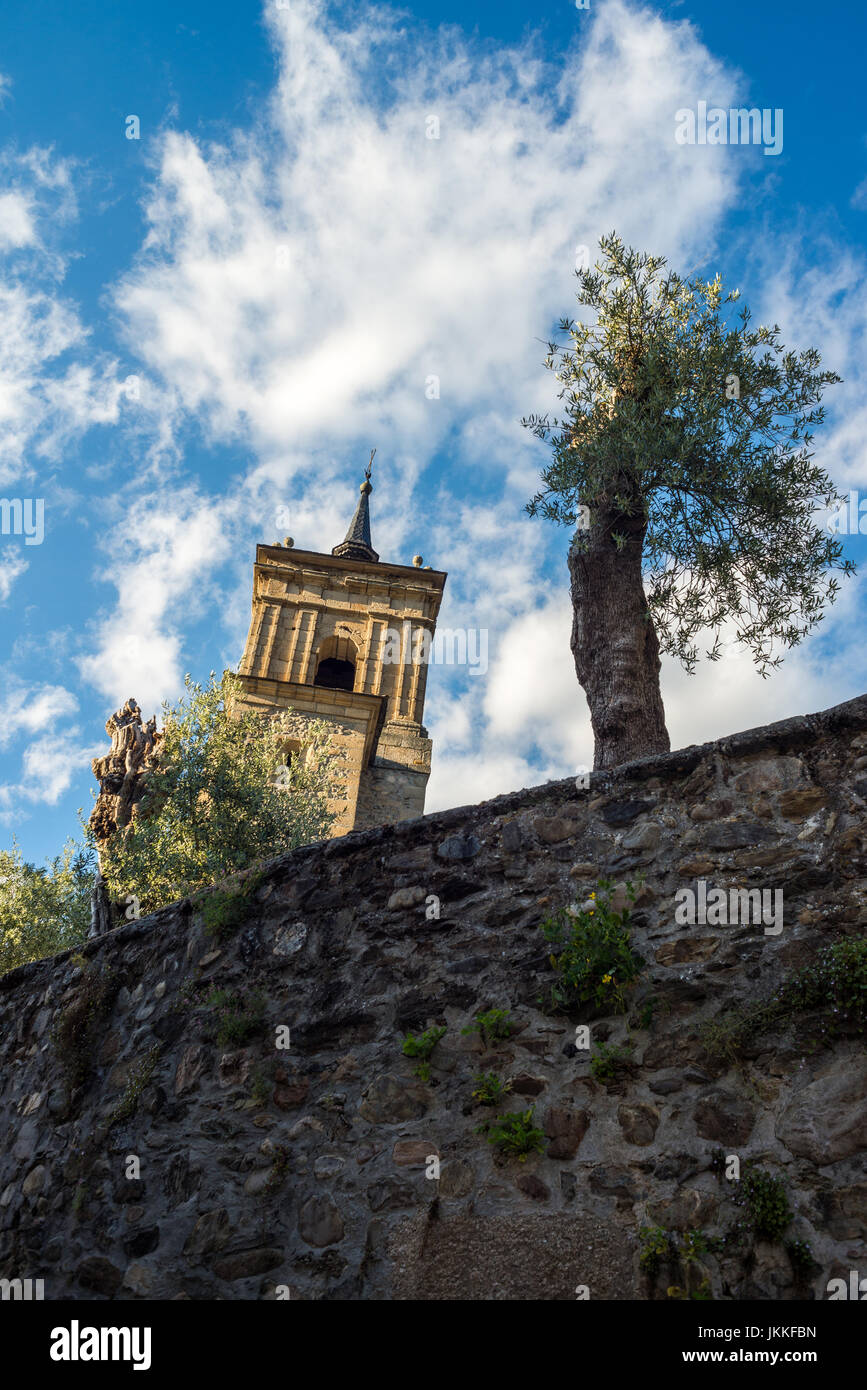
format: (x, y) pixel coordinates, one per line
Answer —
(100, 908)
(614, 642)
(123, 775)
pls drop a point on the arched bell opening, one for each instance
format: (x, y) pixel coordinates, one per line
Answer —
(335, 665)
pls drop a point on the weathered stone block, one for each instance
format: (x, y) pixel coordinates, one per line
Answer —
(638, 1123)
(210, 1233)
(724, 1117)
(406, 897)
(826, 1120)
(192, 1064)
(795, 805)
(320, 1222)
(413, 1153)
(643, 837)
(554, 829)
(565, 1128)
(459, 847)
(617, 813)
(99, 1275)
(390, 1099)
(246, 1263)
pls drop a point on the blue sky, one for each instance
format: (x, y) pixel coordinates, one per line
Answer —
(220, 319)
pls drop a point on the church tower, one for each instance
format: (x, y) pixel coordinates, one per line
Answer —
(334, 637)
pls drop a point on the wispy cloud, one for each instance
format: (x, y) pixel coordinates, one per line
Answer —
(51, 764)
(12, 566)
(53, 385)
(28, 709)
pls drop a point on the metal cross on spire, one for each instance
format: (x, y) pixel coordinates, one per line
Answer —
(357, 544)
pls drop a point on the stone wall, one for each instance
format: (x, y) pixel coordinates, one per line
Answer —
(267, 1171)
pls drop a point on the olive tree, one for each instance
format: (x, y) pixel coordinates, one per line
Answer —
(222, 797)
(43, 910)
(682, 461)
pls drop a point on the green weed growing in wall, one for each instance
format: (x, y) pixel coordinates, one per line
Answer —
(224, 911)
(833, 985)
(422, 1047)
(137, 1079)
(764, 1197)
(611, 1061)
(804, 1263)
(493, 1026)
(489, 1089)
(515, 1135)
(238, 1015)
(655, 1248)
(592, 953)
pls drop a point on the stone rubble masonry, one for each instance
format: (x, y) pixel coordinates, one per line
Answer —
(307, 1169)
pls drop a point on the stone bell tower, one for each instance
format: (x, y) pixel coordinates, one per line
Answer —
(324, 640)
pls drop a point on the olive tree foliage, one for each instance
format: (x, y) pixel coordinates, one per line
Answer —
(222, 797)
(43, 910)
(682, 416)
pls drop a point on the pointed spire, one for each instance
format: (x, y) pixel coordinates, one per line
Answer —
(357, 544)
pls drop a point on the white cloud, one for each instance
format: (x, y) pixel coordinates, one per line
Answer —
(404, 256)
(12, 566)
(821, 302)
(728, 695)
(533, 694)
(53, 386)
(52, 761)
(50, 765)
(160, 561)
(464, 781)
(16, 221)
(28, 709)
